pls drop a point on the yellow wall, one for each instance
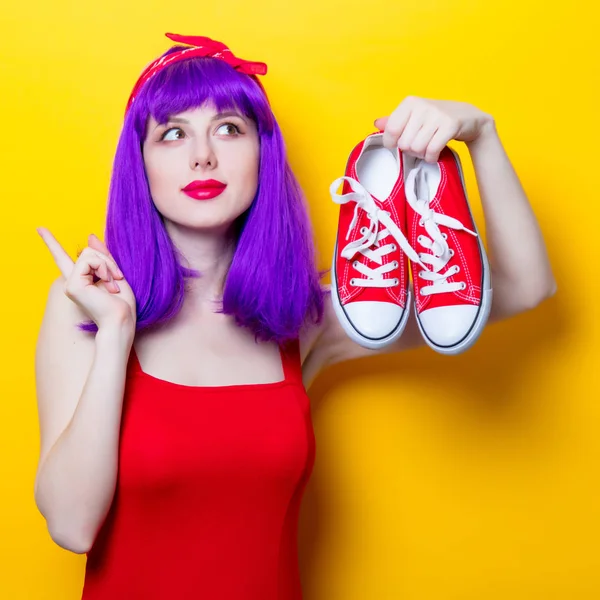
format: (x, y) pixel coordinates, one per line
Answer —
(436, 478)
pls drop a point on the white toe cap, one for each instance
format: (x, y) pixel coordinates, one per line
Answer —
(448, 325)
(374, 319)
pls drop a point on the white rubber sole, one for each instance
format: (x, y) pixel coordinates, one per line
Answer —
(351, 331)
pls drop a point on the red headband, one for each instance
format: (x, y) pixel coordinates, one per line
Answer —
(199, 46)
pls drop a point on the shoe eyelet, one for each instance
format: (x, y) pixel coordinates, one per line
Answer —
(363, 229)
(393, 247)
(451, 252)
(352, 282)
(421, 274)
(463, 285)
(355, 263)
(421, 223)
(396, 282)
(457, 269)
(396, 264)
(445, 236)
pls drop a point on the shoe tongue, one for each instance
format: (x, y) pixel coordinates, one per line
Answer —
(375, 140)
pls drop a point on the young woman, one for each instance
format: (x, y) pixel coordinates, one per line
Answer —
(172, 363)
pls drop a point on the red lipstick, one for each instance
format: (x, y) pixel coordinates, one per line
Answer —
(204, 189)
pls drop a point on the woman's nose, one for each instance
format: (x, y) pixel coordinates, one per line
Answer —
(203, 156)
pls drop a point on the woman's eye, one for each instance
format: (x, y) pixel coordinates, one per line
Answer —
(230, 125)
(168, 131)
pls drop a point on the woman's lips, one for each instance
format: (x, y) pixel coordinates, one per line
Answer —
(204, 193)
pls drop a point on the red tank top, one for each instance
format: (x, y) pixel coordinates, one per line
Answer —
(208, 493)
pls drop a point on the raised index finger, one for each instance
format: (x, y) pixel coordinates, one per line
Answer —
(61, 258)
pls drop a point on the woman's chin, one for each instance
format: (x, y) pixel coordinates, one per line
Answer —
(207, 224)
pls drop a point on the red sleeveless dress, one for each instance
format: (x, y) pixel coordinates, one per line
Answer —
(208, 494)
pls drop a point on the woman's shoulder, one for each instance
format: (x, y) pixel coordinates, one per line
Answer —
(60, 340)
(311, 331)
(63, 356)
(58, 302)
(312, 354)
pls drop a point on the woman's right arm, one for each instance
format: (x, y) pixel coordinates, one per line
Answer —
(80, 381)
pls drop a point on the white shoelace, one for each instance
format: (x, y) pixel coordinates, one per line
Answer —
(439, 251)
(371, 236)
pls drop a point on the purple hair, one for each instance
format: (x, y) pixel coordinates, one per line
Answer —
(273, 285)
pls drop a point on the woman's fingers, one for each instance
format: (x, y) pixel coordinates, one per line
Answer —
(92, 262)
(104, 274)
(89, 264)
(61, 258)
(115, 272)
(97, 244)
(96, 262)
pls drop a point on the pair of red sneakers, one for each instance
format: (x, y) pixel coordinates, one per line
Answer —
(397, 210)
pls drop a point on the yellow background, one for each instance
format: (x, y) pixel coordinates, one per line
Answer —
(437, 478)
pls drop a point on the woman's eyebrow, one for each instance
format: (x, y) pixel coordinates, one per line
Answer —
(228, 113)
(170, 120)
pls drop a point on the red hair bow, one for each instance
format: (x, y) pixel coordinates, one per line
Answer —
(199, 46)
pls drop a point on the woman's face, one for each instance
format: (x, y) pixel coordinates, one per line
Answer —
(199, 145)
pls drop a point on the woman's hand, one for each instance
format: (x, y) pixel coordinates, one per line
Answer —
(104, 300)
(423, 127)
